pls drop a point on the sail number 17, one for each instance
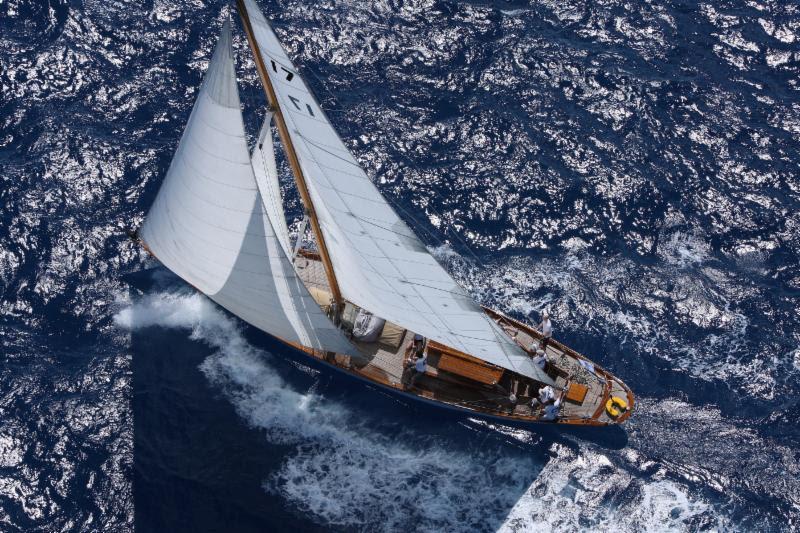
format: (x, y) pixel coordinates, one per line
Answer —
(289, 76)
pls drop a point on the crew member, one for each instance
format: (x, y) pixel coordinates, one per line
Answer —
(418, 367)
(546, 395)
(416, 347)
(551, 410)
(540, 359)
(547, 330)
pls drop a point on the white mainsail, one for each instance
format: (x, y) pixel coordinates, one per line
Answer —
(209, 224)
(379, 263)
(266, 172)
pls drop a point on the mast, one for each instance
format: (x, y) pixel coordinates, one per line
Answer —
(294, 162)
(391, 272)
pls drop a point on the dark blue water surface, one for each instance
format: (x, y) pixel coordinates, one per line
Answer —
(633, 166)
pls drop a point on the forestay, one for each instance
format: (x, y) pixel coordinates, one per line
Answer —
(209, 225)
(379, 262)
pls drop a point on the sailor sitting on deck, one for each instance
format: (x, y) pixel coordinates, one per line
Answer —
(418, 367)
(551, 410)
(547, 395)
(547, 399)
(540, 359)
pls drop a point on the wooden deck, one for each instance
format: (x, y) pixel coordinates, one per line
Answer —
(379, 359)
(464, 381)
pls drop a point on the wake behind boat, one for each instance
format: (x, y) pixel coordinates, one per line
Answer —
(367, 297)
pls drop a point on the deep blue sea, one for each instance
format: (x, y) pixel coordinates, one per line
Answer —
(634, 166)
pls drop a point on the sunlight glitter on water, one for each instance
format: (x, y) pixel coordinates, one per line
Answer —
(631, 167)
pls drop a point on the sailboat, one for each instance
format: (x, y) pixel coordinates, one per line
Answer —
(365, 295)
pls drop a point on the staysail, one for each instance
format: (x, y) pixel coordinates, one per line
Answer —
(380, 263)
(209, 224)
(266, 172)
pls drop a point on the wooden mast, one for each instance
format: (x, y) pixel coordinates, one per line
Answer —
(293, 161)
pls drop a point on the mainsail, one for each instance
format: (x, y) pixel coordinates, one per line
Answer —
(209, 224)
(379, 262)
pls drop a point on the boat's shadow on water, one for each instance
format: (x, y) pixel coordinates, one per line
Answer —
(197, 465)
(198, 448)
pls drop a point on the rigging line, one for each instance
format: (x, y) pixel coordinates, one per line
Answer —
(325, 149)
(417, 223)
(325, 87)
(368, 221)
(338, 109)
(454, 293)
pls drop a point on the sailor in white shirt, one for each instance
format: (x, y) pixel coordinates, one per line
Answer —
(540, 359)
(418, 368)
(546, 327)
(546, 395)
(422, 364)
(551, 411)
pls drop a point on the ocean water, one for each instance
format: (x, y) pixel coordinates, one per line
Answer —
(632, 166)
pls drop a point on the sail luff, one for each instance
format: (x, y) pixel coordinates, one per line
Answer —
(294, 162)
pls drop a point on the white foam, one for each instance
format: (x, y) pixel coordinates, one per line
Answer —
(513, 12)
(344, 473)
(585, 492)
(444, 253)
(684, 249)
(182, 309)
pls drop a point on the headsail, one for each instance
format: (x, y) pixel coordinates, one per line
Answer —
(266, 173)
(379, 262)
(209, 224)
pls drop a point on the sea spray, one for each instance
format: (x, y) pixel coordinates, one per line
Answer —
(346, 474)
(341, 468)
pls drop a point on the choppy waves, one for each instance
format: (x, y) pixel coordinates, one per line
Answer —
(631, 167)
(344, 473)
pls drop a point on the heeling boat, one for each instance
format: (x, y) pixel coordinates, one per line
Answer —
(357, 299)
